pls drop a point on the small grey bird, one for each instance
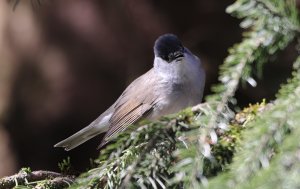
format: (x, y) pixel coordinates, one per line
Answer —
(176, 81)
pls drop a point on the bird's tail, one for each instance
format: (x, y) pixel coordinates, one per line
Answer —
(80, 137)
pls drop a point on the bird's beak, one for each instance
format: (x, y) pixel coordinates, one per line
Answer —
(178, 54)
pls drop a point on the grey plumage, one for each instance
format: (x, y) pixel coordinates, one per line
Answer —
(176, 81)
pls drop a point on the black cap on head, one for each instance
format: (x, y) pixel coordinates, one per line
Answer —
(168, 47)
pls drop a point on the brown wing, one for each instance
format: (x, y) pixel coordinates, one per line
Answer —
(135, 103)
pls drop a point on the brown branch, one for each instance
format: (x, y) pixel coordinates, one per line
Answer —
(54, 179)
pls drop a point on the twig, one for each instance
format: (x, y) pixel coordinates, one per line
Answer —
(54, 179)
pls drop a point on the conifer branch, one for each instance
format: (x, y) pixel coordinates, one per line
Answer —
(262, 143)
(26, 177)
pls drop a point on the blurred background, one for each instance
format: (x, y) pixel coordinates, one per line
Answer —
(62, 63)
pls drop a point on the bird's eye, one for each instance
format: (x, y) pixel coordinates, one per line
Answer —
(170, 57)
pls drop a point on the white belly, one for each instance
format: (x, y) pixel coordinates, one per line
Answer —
(177, 98)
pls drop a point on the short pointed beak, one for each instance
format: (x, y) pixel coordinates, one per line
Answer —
(178, 54)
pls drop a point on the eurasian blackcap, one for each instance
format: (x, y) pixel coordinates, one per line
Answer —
(176, 81)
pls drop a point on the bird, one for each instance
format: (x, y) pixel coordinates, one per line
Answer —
(176, 81)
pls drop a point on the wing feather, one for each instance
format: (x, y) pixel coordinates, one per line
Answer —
(135, 103)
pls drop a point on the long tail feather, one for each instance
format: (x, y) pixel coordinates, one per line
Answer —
(78, 138)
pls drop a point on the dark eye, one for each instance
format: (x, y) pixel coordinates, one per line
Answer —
(170, 57)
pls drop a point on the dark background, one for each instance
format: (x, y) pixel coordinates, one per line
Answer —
(64, 62)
